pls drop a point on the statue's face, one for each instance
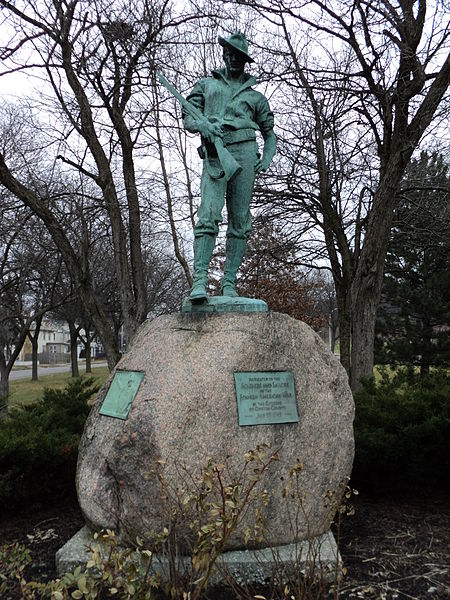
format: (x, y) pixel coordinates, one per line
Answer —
(234, 61)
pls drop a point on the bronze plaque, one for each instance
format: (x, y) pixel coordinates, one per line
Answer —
(121, 393)
(266, 398)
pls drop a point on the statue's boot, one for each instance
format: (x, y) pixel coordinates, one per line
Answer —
(235, 250)
(203, 249)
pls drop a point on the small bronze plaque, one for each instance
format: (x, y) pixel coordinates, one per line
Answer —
(266, 398)
(121, 393)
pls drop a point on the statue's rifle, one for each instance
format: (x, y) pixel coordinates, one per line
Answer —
(229, 165)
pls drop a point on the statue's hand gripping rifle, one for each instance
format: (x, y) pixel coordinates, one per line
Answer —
(229, 165)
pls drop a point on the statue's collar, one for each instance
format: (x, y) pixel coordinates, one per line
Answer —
(249, 80)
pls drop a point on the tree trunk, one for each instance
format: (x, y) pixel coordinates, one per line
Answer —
(368, 279)
(34, 339)
(34, 358)
(133, 310)
(7, 365)
(87, 346)
(88, 355)
(334, 329)
(345, 339)
(86, 341)
(363, 337)
(4, 385)
(343, 301)
(73, 348)
(105, 331)
(332, 336)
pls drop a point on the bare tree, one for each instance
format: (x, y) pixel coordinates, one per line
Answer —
(47, 264)
(28, 270)
(96, 56)
(392, 71)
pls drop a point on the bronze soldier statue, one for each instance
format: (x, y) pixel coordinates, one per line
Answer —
(229, 113)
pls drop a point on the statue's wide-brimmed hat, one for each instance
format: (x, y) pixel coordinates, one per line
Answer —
(236, 41)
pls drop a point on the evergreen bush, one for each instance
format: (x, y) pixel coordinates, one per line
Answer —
(39, 445)
(401, 432)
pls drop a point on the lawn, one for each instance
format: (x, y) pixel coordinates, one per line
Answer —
(25, 391)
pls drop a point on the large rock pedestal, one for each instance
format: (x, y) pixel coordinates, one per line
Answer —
(185, 412)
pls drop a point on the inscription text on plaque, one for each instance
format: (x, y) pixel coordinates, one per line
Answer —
(265, 398)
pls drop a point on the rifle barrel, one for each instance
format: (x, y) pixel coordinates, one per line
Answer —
(190, 108)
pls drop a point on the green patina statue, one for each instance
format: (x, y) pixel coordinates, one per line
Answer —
(227, 113)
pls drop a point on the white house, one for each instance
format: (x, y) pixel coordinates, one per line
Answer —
(53, 343)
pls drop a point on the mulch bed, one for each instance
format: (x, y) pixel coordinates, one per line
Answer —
(397, 549)
(392, 549)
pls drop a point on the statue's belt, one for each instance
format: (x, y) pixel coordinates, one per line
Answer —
(234, 136)
(230, 136)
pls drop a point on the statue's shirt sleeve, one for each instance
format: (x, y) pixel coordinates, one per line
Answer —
(197, 95)
(264, 116)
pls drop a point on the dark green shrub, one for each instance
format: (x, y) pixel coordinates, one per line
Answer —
(39, 444)
(402, 431)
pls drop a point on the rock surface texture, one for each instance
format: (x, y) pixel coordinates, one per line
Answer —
(185, 412)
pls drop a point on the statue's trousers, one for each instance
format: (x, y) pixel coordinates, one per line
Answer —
(237, 193)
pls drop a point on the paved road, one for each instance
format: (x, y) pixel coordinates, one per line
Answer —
(43, 371)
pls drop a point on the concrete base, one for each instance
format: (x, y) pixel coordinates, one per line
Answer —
(320, 558)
